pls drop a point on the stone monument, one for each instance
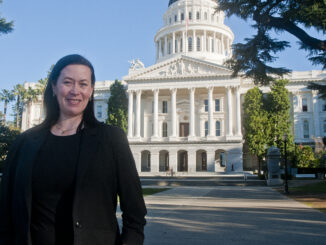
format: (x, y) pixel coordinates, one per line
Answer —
(273, 166)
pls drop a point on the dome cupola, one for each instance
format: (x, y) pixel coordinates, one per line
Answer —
(195, 29)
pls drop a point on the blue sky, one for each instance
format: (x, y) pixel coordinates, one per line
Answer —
(108, 33)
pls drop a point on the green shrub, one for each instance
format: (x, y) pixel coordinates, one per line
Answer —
(7, 137)
(305, 157)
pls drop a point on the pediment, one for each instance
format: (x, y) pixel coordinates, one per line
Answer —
(181, 67)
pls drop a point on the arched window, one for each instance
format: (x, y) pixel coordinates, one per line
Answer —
(306, 129)
(164, 129)
(175, 18)
(197, 15)
(190, 16)
(189, 44)
(218, 128)
(182, 16)
(206, 128)
(198, 43)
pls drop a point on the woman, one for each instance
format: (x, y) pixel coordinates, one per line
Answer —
(61, 179)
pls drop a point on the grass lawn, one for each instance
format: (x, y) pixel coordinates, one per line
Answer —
(151, 191)
(313, 195)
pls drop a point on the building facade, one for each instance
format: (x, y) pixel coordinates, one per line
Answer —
(185, 111)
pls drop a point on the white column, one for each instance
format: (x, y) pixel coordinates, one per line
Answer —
(215, 43)
(210, 112)
(155, 116)
(184, 42)
(192, 113)
(202, 44)
(205, 41)
(174, 112)
(238, 128)
(222, 44)
(173, 43)
(155, 161)
(316, 113)
(165, 45)
(229, 98)
(138, 105)
(130, 113)
(160, 48)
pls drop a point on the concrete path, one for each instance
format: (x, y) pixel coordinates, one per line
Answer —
(230, 215)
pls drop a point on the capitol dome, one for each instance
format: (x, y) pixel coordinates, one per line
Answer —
(193, 28)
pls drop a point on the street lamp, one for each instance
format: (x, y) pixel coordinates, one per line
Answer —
(286, 187)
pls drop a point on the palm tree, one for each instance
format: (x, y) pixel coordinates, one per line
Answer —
(6, 96)
(41, 85)
(20, 92)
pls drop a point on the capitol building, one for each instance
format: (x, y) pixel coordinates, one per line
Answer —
(185, 111)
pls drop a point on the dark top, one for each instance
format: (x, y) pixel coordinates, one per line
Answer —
(53, 189)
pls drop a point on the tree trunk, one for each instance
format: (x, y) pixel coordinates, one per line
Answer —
(5, 112)
(17, 111)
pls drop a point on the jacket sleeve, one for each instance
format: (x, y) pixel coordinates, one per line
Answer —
(6, 190)
(129, 190)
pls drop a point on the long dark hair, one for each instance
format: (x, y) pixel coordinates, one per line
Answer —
(51, 106)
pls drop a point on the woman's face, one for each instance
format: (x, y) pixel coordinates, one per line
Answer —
(73, 90)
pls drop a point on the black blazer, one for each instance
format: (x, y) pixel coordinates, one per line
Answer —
(105, 169)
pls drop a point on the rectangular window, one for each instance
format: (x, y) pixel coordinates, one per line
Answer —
(306, 129)
(181, 45)
(164, 107)
(304, 104)
(182, 16)
(218, 128)
(184, 130)
(169, 48)
(176, 45)
(213, 48)
(190, 16)
(165, 129)
(206, 128)
(175, 18)
(217, 105)
(324, 105)
(206, 105)
(99, 111)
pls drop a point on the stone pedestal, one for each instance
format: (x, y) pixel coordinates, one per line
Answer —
(273, 165)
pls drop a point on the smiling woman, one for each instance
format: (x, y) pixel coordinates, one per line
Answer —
(61, 179)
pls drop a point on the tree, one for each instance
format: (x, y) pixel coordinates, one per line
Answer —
(305, 157)
(255, 124)
(20, 92)
(292, 16)
(5, 27)
(278, 105)
(7, 137)
(6, 96)
(118, 106)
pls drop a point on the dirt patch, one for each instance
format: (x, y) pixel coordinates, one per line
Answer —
(314, 200)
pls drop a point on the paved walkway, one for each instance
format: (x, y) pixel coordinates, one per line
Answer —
(230, 215)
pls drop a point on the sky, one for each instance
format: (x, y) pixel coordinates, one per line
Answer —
(108, 33)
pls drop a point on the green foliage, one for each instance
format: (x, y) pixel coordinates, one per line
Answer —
(6, 96)
(5, 27)
(278, 105)
(118, 106)
(255, 122)
(7, 137)
(305, 157)
(267, 119)
(292, 16)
